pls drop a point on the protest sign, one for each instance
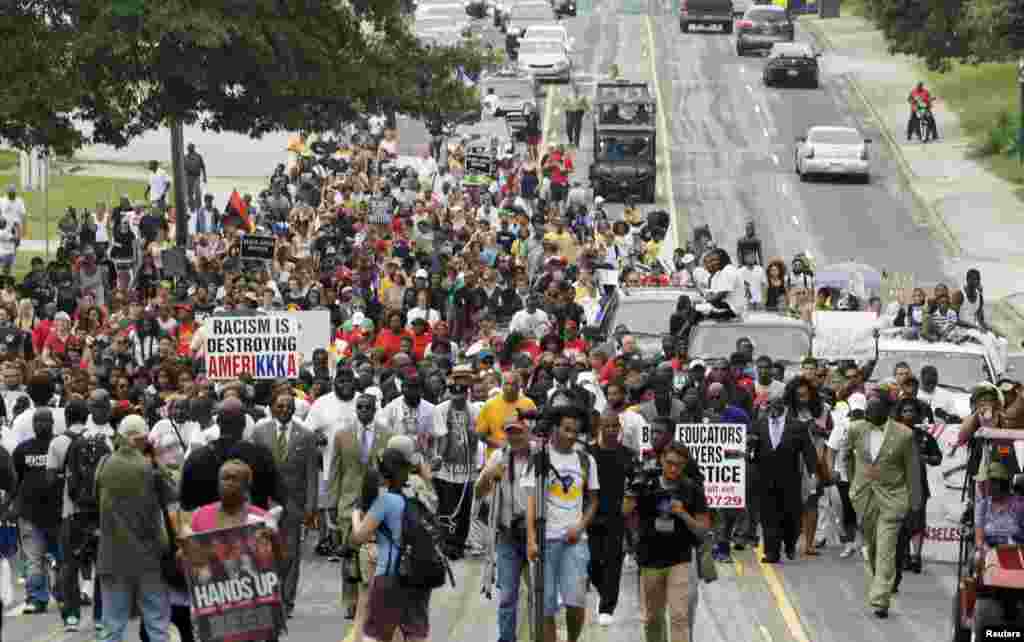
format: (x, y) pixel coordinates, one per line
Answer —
(721, 452)
(257, 248)
(233, 584)
(844, 335)
(264, 347)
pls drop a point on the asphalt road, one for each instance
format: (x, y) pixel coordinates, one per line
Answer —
(818, 600)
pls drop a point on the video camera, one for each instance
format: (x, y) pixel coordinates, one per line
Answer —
(644, 482)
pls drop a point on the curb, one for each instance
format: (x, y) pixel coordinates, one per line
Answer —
(934, 219)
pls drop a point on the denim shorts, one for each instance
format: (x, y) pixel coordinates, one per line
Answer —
(565, 574)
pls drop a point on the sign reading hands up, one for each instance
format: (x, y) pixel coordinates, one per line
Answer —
(844, 335)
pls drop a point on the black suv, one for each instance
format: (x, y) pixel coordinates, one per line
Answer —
(761, 27)
(791, 62)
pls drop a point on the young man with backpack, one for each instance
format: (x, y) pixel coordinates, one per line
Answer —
(571, 497)
(79, 522)
(409, 562)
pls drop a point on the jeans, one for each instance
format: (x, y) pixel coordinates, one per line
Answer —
(510, 558)
(154, 600)
(666, 587)
(565, 575)
(36, 542)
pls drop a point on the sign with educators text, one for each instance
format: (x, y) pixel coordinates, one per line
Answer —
(256, 247)
(844, 335)
(233, 584)
(721, 452)
(264, 347)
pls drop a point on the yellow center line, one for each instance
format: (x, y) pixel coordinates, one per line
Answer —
(789, 614)
(666, 190)
(549, 110)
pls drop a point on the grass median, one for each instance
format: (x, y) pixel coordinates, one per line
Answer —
(66, 190)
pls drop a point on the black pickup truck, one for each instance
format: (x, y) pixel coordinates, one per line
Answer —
(706, 12)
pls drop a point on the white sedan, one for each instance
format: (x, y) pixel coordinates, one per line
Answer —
(550, 32)
(832, 151)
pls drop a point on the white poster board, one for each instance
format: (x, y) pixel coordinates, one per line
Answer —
(942, 532)
(844, 335)
(264, 347)
(315, 330)
(721, 452)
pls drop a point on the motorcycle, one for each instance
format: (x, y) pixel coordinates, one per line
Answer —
(925, 120)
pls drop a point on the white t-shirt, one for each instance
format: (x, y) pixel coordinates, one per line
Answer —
(159, 182)
(728, 280)
(463, 466)
(14, 211)
(565, 491)
(7, 240)
(755, 280)
(527, 324)
(170, 450)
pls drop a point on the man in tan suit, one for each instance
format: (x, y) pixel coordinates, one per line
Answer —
(886, 485)
(357, 445)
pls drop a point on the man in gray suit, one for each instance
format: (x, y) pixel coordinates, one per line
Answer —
(296, 455)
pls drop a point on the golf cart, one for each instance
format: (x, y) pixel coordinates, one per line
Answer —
(998, 574)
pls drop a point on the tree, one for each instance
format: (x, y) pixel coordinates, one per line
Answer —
(123, 67)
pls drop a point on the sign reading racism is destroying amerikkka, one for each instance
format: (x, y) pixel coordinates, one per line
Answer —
(264, 347)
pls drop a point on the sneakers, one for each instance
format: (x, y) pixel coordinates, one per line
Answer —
(848, 550)
(605, 619)
(70, 624)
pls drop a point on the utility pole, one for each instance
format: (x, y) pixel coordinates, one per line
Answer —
(178, 173)
(1020, 129)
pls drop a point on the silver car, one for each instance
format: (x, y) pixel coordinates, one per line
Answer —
(832, 151)
(545, 60)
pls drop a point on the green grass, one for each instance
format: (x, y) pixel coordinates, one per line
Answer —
(23, 260)
(983, 95)
(80, 192)
(853, 7)
(8, 160)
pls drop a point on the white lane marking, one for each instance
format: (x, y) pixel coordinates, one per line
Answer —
(784, 188)
(14, 612)
(749, 88)
(796, 221)
(775, 158)
(757, 108)
(765, 130)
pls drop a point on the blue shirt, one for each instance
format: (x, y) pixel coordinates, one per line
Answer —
(387, 510)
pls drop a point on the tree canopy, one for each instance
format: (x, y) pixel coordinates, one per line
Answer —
(944, 31)
(250, 66)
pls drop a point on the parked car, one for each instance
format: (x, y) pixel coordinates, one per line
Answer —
(791, 62)
(761, 27)
(832, 151)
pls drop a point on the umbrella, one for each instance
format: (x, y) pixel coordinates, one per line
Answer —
(859, 278)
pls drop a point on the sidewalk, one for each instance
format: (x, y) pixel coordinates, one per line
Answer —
(974, 214)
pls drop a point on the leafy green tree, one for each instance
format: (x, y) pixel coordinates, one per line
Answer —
(123, 67)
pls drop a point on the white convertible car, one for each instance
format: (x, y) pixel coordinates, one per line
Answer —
(830, 151)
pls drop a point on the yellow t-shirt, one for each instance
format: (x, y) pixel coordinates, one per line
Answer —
(494, 414)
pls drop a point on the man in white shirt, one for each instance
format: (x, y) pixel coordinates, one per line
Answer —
(529, 322)
(838, 451)
(159, 185)
(13, 209)
(490, 102)
(327, 415)
(40, 391)
(726, 296)
(410, 414)
(754, 279)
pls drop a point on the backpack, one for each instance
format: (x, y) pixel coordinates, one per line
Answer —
(421, 564)
(83, 458)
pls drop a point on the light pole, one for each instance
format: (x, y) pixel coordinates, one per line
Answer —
(1020, 129)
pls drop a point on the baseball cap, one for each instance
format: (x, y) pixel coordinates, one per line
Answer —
(857, 401)
(133, 426)
(406, 448)
(422, 274)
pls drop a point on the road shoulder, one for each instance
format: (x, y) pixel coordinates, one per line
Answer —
(972, 212)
